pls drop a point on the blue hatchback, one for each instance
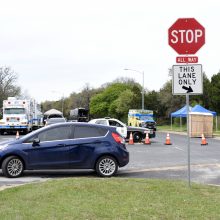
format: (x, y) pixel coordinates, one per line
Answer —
(66, 146)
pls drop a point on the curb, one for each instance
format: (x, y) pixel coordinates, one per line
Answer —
(184, 133)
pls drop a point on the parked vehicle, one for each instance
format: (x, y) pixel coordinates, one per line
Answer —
(79, 114)
(52, 113)
(70, 145)
(20, 115)
(120, 126)
(51, 121)
(141, 118)
(138, 133)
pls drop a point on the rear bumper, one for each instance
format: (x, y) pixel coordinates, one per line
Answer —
(124, 160)
(15, 127)
(153, 135)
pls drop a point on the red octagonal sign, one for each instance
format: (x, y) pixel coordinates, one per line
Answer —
(186, 36)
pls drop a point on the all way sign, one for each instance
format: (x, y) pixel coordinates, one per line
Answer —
(187, 79)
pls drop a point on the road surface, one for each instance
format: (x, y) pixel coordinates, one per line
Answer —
(150, 161)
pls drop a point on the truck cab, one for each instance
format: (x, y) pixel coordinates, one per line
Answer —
(17, 116)
(141, 118)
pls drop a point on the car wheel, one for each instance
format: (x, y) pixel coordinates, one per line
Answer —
(137, 137)
(106, 166)
(12, 167)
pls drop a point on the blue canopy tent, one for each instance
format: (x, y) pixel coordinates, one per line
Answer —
(181, 113)
(199, 108)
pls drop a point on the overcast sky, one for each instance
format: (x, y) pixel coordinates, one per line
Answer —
(56, 47)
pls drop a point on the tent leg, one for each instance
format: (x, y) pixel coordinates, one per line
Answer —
(171, 124)
(181, 127)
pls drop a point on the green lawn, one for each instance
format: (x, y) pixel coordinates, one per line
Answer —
(110, 198)
(174, 128)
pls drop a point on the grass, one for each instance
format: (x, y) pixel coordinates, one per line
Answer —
(110, 198)
(176, 128)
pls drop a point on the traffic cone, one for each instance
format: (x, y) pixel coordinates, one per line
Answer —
(168, 140)
(147, 139)
(131, 141)
(17, 135)
(204, 142)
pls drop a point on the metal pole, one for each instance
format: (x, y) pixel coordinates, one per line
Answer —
(188, 138)
(171, 124)
(143, 92)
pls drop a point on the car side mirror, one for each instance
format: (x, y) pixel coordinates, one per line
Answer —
(36, 142)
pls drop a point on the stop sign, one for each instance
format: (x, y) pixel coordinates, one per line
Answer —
(186, 36)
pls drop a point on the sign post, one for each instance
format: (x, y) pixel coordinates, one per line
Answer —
(186, 36)
(188, 139)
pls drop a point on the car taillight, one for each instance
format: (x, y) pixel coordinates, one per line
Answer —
(118, 138)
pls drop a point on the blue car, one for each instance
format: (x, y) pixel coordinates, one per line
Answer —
(65, 146)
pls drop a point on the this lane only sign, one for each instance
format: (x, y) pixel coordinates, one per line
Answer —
(187, 79)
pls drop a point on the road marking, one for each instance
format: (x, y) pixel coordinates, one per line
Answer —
(179, 148)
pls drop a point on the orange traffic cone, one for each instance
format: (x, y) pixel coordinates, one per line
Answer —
(204, 142)
(131, 141)
(147, 139)
(17, 135)
(168, 140)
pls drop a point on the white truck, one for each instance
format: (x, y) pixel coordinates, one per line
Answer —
(20, 115)
(141, 118)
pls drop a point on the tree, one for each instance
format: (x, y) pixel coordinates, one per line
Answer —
(100, 104)
(152, 102)
(110, 101)
(215, 92)
(168, 101)
(8, 87)
(120, 107)
(205, 98)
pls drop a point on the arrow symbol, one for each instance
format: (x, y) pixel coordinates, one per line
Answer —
(188, 89)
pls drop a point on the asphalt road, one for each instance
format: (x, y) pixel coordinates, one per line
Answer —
(150, 161)
(171, 161)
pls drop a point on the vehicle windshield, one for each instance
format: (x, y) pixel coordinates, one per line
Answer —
(147, 118)
(9, 111)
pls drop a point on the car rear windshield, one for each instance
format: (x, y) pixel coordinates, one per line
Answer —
(84, 132)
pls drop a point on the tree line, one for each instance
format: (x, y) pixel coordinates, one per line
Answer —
(114, 99)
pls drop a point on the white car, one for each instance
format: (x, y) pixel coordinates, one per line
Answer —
(51, 121)
(121, 127)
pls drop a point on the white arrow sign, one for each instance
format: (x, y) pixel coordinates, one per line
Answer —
(187, 79)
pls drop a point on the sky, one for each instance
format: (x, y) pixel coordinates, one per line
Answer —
(57, 47)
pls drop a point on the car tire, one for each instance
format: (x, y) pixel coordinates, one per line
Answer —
(106, 166)
(12, 167)
(137, 137)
